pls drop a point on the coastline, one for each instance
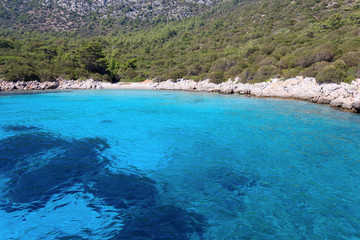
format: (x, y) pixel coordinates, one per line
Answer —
(342, 96)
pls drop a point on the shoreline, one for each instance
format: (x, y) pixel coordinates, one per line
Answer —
(341, 96)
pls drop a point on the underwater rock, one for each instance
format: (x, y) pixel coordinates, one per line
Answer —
(17, 149)
(65, 163)
(19, 128)
(71, 237)
(106, 121)
(42, 167)
(233, 181)
(162, 222)
(123, 190)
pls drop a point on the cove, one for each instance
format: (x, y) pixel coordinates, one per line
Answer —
(143, 164)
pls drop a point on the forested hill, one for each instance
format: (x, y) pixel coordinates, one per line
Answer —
(60, 15)
(250, 39)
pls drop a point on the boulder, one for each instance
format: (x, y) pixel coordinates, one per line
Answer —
(342, 102)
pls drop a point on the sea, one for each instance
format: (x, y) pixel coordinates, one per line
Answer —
(146, 164)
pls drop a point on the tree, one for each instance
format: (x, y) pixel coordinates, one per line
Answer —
(331, 74)
(91, 56)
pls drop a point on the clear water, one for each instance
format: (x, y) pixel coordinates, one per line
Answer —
(106, 164)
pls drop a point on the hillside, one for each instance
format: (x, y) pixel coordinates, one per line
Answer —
(65, 15)
(254, 40)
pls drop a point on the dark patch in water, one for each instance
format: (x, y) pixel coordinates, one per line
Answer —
(16, 149)
(41, 166)
(124, 190)
(19, 128)
(106, 121)
(33, 92)
(39, 185)
(198, 100)
(70, 237)
(233, 181)
(162, 222)
(35, 185)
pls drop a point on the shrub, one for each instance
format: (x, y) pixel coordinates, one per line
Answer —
(286, 62)
(314, 69)
(330, 74)
(256, 58)
(130, 63)
(205, 69)
(223, 64)
(334, 21)
(349, 79)
(64, 66)
(352, 59)
(291, 73)
(160, 78)
(248, 74)
(268, 48)
(341, 64)
(196, 69)
(4, 43)
(21, 72)
(96, 77)
(324, 54)
(208, 58)
(174, 74)
(264, 73)
(46, 75)
(251, 50)
(198, 78)
(320, 54)
(130, 73)
(16, 70)
(235, 70)
(281, 51)
(216, 77)
(138, 78)
(77, 73)
(268, 61)
(357, 73)
(193, 70)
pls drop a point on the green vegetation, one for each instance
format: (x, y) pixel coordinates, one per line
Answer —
(330, 74)
(254, 40)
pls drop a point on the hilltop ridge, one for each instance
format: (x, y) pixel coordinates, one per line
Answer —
(68, 15)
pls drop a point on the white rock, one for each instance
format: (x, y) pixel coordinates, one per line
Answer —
(337, 95)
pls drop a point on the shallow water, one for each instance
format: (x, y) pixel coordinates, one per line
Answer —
(137, 164)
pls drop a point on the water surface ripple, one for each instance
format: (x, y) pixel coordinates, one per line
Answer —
(138, 164)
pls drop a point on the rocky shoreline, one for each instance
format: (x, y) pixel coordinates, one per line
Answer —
(342, 96)
(59, 84)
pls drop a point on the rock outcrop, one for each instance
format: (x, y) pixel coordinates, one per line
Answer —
(60, 84)
(76, 84)
(344, 96)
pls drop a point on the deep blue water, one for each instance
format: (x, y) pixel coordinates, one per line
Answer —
(126, 164)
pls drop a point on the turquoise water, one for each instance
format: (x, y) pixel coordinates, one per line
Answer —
(126, 164)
